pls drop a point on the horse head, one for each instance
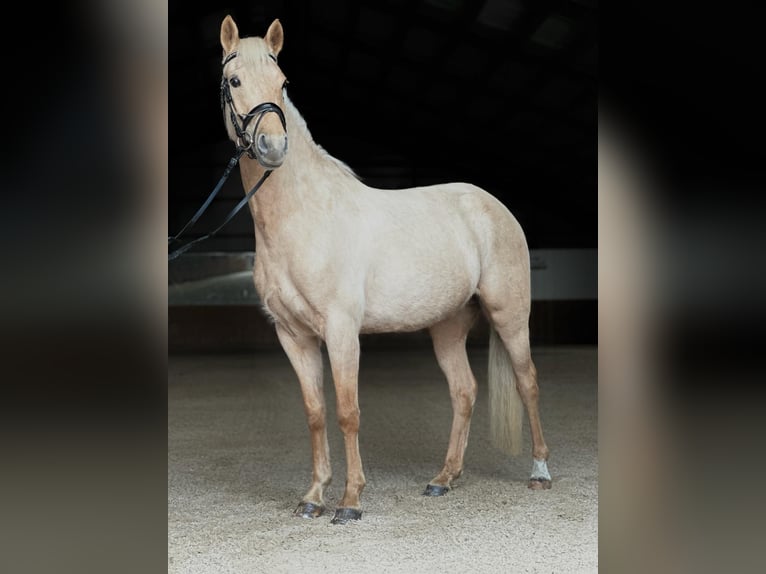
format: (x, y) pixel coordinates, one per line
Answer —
(252, 80)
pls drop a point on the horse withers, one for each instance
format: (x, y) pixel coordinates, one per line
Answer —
(336, 258)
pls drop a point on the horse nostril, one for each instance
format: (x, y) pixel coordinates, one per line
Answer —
(263, 147)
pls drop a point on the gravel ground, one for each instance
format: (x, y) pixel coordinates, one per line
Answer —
(239, 461)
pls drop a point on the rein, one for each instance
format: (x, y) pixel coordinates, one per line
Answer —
(244, 145)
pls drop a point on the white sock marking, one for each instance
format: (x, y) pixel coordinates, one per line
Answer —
(540, 469)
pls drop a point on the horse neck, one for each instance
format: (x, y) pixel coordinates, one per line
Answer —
(308, 178)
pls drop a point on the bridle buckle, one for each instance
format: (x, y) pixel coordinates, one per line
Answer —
(245, 140)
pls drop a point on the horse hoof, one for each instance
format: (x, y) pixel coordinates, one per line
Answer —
(343, 515)
(539, 484)
(309, 510)
(436, 490)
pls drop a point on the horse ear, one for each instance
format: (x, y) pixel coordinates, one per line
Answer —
(229, 35)
(275, 36)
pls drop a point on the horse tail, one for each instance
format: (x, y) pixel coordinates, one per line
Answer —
(505, 407)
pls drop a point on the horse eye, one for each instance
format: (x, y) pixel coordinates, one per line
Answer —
(235, 83)
(273, 57)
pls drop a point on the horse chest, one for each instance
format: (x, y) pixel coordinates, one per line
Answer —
(282, 301)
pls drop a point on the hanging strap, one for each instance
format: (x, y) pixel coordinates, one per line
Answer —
(184, 248)
(232, 162)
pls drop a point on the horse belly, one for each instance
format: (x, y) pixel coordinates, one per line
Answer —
(404, 295)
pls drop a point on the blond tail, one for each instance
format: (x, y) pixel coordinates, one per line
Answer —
(505, 407)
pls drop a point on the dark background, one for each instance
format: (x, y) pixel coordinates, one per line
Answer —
(499, 93)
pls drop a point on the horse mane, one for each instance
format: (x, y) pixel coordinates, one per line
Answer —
(300, 123)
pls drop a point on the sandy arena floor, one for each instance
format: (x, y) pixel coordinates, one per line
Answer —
(239, 461)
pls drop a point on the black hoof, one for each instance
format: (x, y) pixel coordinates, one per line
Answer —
(343, 515)
(308, 510)
(436, 490)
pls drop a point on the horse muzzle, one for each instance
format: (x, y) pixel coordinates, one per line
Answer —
(270, 149)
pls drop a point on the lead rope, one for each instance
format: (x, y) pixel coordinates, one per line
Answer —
(184, 248)
(232, 162)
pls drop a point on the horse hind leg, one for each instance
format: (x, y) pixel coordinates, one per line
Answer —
(449, 339)
(504, 291)
(513, 330)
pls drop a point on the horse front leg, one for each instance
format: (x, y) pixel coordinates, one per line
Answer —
(342, 340)
(306, 358)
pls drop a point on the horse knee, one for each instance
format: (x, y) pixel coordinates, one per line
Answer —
(348, 420)
(316, 420)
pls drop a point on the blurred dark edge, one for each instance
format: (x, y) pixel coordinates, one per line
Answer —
(679, 84)
(84, 405)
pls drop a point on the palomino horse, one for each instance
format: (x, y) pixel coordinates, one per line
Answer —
(336, 258)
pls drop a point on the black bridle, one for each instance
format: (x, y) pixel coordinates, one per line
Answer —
(244, 144)
(245, 141)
